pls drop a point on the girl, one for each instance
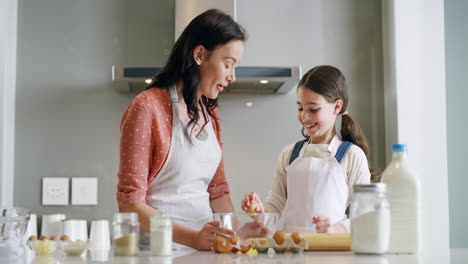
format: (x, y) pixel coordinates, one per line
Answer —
(314, 177)
(170, 148)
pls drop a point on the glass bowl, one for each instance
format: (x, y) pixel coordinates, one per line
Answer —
(43, 247)
(74, 248)
(249, 225)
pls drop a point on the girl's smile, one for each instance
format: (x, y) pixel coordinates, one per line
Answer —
(310, 126)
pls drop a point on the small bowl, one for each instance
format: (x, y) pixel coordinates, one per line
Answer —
(74, 248)
(249, 225)
(43, 247)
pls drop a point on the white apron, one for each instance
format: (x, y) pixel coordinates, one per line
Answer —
(179, 190)
(315, 187)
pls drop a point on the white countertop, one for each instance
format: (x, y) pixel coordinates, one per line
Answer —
(457, 256)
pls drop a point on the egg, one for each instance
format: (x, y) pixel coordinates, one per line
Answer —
(252, 207)
(279, 237)
(296, 237)
(221, 245)
(245, 246)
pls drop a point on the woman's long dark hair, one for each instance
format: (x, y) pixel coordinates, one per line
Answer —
(210, 29)
(329, 82)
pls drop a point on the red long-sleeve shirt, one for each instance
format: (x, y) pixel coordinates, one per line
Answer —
(146, 129)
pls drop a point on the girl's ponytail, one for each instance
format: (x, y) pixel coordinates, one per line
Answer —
(351, 131)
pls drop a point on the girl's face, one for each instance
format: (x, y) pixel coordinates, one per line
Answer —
(317, 115)
(217, 67)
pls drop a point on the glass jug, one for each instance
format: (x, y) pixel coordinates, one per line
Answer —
(13, 223)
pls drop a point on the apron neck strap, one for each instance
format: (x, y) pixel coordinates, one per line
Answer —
(173, 92)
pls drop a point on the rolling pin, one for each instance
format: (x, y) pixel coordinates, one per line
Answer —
(327, 241)
(322, 241)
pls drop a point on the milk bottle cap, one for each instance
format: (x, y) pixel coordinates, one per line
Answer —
(399, 147)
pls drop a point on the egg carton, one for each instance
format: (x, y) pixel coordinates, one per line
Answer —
(288, 244)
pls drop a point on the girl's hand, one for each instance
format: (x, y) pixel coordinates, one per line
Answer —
(252, 204)
(322, 225)
(203, 238)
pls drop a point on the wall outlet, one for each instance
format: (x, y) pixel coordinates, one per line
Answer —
(55, 191)
(84, 191)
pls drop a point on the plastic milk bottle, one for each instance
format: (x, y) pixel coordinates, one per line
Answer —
(403, 193)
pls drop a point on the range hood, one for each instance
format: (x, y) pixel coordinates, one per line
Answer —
(249, 79)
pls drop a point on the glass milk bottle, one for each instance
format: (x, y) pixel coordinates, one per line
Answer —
(370, 219)
(403, 192)
(161, 235)
(126, 234)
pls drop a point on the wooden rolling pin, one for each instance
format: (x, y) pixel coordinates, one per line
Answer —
(322, 241)
(327, 241)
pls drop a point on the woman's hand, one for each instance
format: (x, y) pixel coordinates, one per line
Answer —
(252, 204)
(203, 238)
(323, 225)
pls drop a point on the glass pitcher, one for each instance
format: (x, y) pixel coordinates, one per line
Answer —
(13, 223)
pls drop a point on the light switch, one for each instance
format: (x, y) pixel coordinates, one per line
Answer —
(55, 191)
(84, 191)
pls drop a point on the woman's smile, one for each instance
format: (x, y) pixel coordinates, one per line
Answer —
(220, 87)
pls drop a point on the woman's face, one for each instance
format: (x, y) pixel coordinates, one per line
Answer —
(217, 67)
(317, 115)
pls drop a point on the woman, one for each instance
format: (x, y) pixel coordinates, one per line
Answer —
(170, 148)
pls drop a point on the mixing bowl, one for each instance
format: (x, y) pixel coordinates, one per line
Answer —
(249, 225)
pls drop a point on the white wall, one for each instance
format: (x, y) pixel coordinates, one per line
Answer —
(8, 32)
(415, 99)
(68, 113)
(456, 37)
(346, 34)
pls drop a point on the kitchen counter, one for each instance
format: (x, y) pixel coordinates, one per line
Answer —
(457, 256)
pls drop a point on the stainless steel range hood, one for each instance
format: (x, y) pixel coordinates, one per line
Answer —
(249, 79)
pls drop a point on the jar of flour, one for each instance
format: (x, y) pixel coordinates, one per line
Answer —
(370, 219)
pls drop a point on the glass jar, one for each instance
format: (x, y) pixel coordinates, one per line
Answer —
(370, 219)
(125, 234)
(161, 235)
(13, 223)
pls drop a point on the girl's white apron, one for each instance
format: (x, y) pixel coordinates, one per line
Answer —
(315, 187)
